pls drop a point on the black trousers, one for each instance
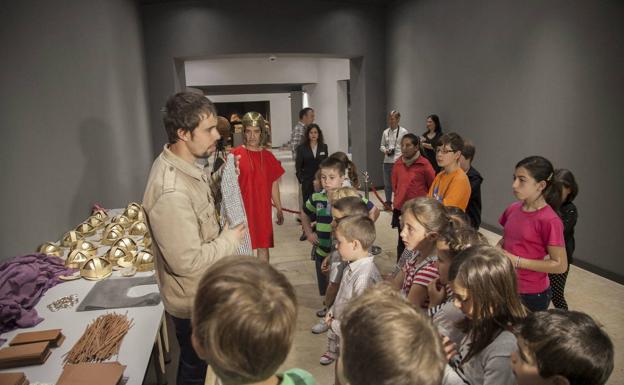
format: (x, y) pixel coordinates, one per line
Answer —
(396, 214)
(191, 368)
(307, 189)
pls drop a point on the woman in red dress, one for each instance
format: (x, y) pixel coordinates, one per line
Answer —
(259, 183)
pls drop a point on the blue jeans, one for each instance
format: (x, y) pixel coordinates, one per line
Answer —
(538, 301)
(191, 368)
(387, 179)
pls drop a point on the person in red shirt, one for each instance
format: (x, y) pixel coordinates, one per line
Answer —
(412, 175)
(259, 183)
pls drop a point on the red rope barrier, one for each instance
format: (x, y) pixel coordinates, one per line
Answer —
(290, 211)
(385, 206)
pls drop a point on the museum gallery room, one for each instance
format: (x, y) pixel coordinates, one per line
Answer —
(311, 192)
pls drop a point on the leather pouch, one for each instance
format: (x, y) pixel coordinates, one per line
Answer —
(92, 373)
(16, 378)
(24, 355)
(54, 336)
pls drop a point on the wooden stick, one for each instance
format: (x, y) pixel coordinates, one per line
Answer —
(101, 339)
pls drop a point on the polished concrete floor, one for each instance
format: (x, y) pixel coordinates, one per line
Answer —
(599, 297)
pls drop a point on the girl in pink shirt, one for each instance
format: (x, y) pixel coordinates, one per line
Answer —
(533, 230)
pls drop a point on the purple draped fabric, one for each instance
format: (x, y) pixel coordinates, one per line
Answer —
(23, 281)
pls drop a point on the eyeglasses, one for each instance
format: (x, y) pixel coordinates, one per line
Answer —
(443, 150)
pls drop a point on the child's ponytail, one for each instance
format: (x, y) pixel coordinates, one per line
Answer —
(552, 192)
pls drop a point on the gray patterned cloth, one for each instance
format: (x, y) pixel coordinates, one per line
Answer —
(232, 208)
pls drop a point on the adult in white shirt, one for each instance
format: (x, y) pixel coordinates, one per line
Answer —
(391, 147)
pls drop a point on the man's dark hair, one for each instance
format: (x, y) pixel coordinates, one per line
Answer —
(454, 141)
(304, 112)
(468, 151)
(185, 110)
(415, 140)
(569, 344)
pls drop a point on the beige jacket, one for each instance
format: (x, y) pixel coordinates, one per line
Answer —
(187, 237)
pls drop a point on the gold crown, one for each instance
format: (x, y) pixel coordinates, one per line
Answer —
(96, 268)
(85, 246)
(146, 242)
(139, 228)
(50, 248)
(127, 243)
(144, 261)
(76, 259)
(112, 233)
(122, 220)
(95, 222)
(134, 205)
(70, 238)
(134, 212)
(116, 253)
(100, 214)
(127, 260)
(85, 229)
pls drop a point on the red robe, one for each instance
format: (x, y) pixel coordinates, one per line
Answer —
(258, 171)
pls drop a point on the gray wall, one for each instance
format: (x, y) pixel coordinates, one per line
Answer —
(522, 78)
(73, 113)
(175, 31)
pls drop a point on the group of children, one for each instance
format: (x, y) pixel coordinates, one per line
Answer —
(454, 310)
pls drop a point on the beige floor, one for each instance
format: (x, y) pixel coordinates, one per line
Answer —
(587, 292)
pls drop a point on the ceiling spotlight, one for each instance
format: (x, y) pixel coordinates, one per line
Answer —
(272, 58)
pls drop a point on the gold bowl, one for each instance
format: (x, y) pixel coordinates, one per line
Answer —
(139, 228)
(70, 238)
(96, 268)
(50, 248)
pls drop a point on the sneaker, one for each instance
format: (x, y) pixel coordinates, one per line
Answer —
(320, 327)
(326, 359)
(303, 237)
(321, 313)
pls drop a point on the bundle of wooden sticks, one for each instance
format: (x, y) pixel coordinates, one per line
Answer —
(101, 340)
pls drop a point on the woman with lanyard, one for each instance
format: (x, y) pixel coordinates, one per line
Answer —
(259, 183)
(391, 147)
(429, 140)
(451, 186)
